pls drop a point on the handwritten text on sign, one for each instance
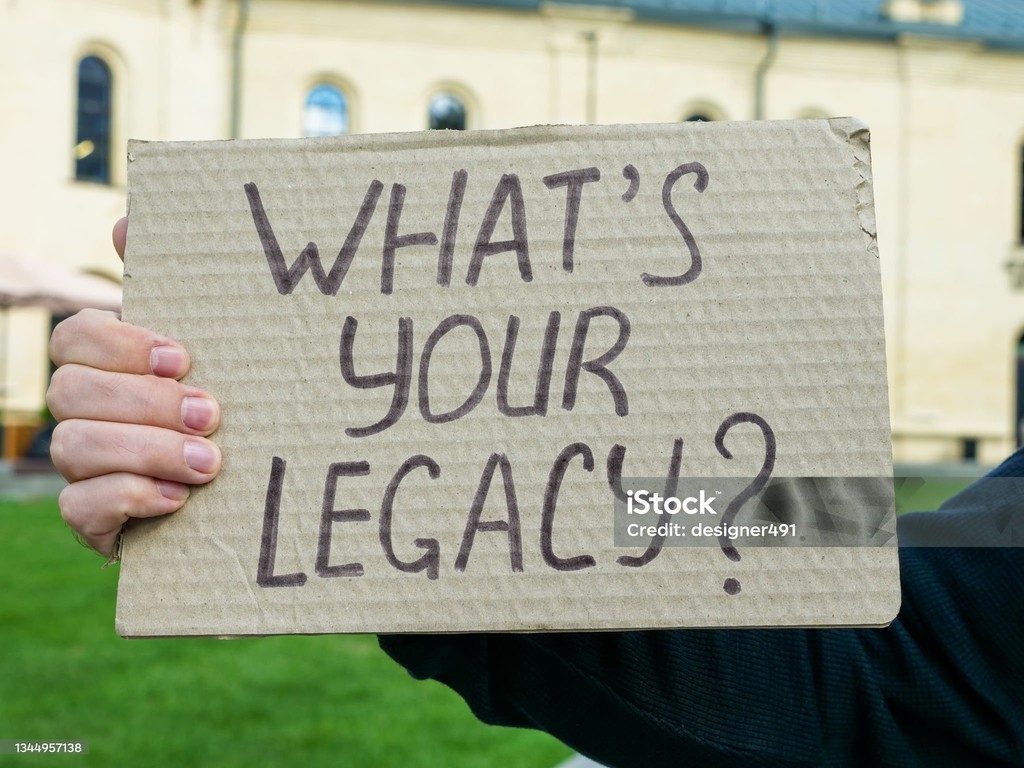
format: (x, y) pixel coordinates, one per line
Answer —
(507, 202)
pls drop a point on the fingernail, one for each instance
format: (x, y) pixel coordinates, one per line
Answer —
(172, 491)
(200, 456)
(167, 361)
(197, 413)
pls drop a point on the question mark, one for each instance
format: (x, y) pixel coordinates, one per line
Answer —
(632, 175)
(732, 586)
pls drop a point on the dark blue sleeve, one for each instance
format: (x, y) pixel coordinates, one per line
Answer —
(943, 685)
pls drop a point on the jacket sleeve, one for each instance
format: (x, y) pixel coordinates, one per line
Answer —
(942, 685)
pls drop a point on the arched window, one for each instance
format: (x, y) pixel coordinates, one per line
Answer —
(701, 111)
(326, 112)
(447, 111)
(92, 137)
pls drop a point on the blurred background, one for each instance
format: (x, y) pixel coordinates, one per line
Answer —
(938, 81)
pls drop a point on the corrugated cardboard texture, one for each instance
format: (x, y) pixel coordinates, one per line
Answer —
(771, 314)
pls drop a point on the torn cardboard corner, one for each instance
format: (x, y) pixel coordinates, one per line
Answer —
(439, 356)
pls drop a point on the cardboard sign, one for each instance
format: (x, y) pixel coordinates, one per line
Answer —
(438, 354)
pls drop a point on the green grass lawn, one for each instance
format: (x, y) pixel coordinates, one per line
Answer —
(927, 493)
(281, 701)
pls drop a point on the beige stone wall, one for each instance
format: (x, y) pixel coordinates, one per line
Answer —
(947, 123)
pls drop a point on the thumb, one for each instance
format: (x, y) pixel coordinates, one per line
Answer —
(119, 234)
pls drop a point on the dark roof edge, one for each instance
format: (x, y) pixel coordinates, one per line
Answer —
(754, 23)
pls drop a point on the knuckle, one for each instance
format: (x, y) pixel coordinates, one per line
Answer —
(94, 508)
(57, 392)
(74, 333)
(58, 339)
(66, 450)
(91, 314)
(106, 322)
(58, 447)
(70, 511)
(134, 496)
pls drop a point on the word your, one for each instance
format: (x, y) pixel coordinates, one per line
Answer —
(643, 501)
(400, 380)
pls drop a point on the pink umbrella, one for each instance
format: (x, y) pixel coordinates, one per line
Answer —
(29, 282)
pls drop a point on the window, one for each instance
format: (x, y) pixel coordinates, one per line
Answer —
(701, 111)
(447, 111)
(92, 138)
(326, 112)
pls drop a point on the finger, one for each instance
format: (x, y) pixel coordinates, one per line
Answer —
(96, 508)
(100, 340)
(81, 448)
(79, 392)
(120, 235)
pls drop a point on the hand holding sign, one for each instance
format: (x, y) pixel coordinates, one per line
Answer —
(130, 436)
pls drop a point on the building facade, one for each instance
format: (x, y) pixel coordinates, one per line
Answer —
(939, 82)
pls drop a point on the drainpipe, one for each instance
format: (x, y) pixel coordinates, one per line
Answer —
(898, 365)
(591, 108)
(236, 66)
(772, 34)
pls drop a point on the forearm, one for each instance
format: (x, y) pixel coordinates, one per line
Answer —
(639, 698)
(934, 688)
